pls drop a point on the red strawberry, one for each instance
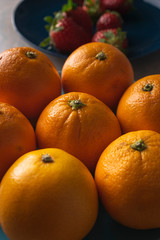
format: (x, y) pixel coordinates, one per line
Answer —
(110, 19)
(115, 37)
(66, 35)
(82, 18)
(122, 6)
(69, 28)
(92, 7)
(79, 15)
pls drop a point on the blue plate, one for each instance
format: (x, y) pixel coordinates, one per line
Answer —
(142, 25)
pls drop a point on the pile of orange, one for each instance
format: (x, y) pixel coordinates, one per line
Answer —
(60, 152)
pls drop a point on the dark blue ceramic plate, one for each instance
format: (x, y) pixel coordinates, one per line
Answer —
(142, 25)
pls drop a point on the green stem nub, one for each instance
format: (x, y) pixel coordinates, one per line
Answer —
(76, 104)
(148, 87)
(101, 56)
(31, 55)
(139, 145)
(46, 158)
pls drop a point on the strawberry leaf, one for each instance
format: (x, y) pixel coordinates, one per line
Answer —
(48, 19)
(69, 6)
(102, 40)
(57, 17)
(109, 34)
(47, 27)
(45, 42)
(92, 9)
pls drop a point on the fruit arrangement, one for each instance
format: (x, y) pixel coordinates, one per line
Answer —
(81, 22)
(66, 157)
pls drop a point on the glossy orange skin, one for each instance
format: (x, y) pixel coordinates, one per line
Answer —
(105, 79)
(16, 136)
(128, 181)
(48, 200)
(29, 84)
(83, 133)
(139, 109)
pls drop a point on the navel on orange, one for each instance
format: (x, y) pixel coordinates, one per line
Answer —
(139, 107)
(128, 179)
(48, 194)
(78, 123)
(98, 69)
(28, 80)
(16, 136)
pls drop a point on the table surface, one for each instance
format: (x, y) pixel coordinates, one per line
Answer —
(9, 38)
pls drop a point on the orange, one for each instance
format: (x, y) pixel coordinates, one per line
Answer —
(98, 69)
(16, 136)
(139, 107)
(128, 179)
(28, 80)
(48, 194)
(78, 123)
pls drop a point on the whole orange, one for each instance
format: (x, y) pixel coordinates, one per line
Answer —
(128, 179)
(139, 107)
(48, 194)
(16, 136)
(79, 124)
(99, 69)
(28, 80)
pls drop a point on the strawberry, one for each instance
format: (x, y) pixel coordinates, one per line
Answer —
(66, 36)
(92, 7)
(122, 6)
(80, 16)
(70, 28)
(110, 19)
(115, 37)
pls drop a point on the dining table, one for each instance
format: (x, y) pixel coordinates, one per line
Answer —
(147, 64)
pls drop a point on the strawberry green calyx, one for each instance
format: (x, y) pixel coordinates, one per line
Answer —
(116, 39)
(93, 9)
(69, 6)
(101, 56)
(52, 25)
(46, 158)
(148, 87)
(31, 55)
(57, 17)
(139, 145)
(76, 104)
